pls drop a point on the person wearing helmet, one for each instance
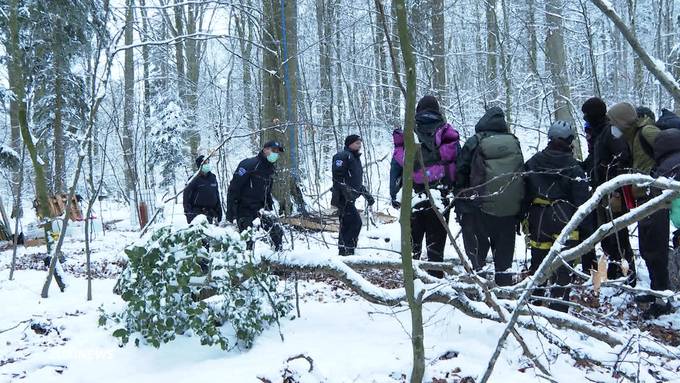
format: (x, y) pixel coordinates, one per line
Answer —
(555, 186)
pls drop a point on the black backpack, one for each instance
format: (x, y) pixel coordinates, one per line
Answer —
(668, 120)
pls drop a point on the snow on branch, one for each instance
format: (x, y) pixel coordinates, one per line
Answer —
(554, 258)
(651, 63)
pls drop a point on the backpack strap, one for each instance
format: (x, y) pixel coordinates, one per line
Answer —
(646, 146)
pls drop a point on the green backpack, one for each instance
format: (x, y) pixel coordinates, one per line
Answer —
(496, 174)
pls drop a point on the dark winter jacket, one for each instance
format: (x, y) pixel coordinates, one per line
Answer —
(667, 154)
(202, 196)
(440, 169)
(555, 187)
(348, 176)
(250, 188)
(668, 120)
(609, 155)
(493, 122)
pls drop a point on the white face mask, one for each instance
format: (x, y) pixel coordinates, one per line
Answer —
(616, 132)
(206, 168)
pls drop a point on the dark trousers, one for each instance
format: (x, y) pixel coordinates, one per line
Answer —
(561, 277)
(350, 227)
(481, 232)
(425, 224)
(268, 224)
(653, 235)
(616, 246)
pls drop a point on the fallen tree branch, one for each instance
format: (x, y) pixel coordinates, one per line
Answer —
(551, 262)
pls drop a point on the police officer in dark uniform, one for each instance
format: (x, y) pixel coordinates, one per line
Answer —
(250, 191)
(347, 187)
(202, 195)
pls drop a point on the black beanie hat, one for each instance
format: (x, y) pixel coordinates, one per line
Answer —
(199, 161)
(594, 109)
(643, 111)
(427, 103)
(352, 138)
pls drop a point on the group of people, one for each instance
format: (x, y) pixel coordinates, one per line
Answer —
(496, 195)
(249, 195)
(494, 192)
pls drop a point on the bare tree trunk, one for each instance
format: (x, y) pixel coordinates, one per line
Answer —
(591, 49)
(15, 135)
(491, 51)
(280, 95)
(18, 87)
(506, 62)
(179, 51)
(129, 105)
(58, 125)
(556, 62)
(17, 202)
(193, 52)
(637, 65)
(439, 83)
(340, 94)
(148, 173)
(246, 47)
(324, 24)
(381, 92)
(414, 299)
(533, 41)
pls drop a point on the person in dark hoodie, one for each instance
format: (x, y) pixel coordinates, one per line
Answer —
(348, 178)
(439, 147)
(608, 156)
(555, 187)
(668, 120)
(250, 193)
(667, 156)
(202, 194)
(653, 231)
(489, 192)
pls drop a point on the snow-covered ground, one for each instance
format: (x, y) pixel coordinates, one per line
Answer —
(345, 338)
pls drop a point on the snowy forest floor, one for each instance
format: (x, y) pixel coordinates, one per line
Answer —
(345, 338)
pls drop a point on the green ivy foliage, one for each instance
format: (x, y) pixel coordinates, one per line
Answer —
(167, 275)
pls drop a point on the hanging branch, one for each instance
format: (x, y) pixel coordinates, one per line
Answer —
(651, 63)
(390, 47)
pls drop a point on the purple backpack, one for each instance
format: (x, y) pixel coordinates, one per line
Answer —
(447, 141)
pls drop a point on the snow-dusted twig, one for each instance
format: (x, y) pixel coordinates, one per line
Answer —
(550, 262)
(489, 296)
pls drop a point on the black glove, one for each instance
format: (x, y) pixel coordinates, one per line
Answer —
(369, 199)
(396, 204)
